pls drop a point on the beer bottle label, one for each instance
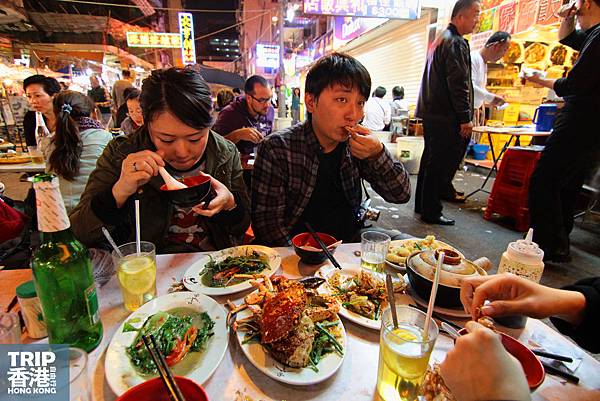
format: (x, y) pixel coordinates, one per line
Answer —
(91, 300)
(51, 212)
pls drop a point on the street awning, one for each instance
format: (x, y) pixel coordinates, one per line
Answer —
(220, 77)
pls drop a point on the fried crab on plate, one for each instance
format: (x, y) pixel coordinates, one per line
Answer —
(294, 323)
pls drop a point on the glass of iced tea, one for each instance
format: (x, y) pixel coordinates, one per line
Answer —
(404, 354)
(36, 154)
(136, 273)
(373, 250)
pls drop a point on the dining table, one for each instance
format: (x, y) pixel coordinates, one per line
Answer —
(29, 167)
(237, 379)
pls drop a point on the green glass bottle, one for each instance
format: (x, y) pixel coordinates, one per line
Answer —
(62, 272)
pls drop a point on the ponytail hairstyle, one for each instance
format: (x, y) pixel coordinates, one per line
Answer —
(69, 107)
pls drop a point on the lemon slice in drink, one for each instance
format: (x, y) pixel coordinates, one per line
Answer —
(404, 334)
(137, 275)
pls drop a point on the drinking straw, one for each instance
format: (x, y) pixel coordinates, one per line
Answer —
(138, 244)
(434, 287)
(111, 241)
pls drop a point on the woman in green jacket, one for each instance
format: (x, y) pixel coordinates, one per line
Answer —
(176, 104)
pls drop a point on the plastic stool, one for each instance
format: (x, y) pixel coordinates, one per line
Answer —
(511, 188)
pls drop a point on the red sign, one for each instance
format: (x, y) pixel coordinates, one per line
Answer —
(487, 4)
(527, 12)
(548, 10)
(506, 17)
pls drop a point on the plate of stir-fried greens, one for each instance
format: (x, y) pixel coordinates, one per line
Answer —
(230, 270)
(189, 329)
(361, 294)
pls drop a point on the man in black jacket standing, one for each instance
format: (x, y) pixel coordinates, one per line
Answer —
(446, 107)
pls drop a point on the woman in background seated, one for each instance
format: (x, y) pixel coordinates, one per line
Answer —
(77, 143)
(176, 135)
(39, 90)
(134, 119)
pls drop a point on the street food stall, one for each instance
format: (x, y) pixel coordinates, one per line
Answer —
(533, 25)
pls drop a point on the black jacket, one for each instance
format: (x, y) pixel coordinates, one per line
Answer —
(446, 89)
(586, 333)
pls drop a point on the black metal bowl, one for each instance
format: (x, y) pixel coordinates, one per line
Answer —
(447, 296)
(309, 256)
(197, 191)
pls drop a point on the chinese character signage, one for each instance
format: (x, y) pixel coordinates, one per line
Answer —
(154, 39)
(527, 12)
(34, 372)
(267, 56)
(188, 47)
(507, 15)
(400, 9)
(349, 28)
(547, 12)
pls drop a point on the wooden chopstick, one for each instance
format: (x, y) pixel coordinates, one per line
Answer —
(164, 372)
(550, 355)
(322, 245)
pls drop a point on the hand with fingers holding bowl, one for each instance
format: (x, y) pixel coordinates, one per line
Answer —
(211, 213)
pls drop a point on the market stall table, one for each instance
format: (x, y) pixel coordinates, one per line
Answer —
(356, 378)
(516, 133)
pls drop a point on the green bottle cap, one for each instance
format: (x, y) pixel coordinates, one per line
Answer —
(26, 290)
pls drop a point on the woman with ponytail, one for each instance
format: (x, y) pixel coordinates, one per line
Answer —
(76, 145)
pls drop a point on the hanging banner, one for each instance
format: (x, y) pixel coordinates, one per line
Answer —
(399, 9)
(186, 30)
(507, 14)
(526, 14)
(154, 39)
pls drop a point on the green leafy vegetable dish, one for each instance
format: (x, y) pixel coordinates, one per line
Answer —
(233, 269)
(181, 334)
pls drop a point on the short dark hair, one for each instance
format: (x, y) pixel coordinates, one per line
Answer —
(237, 91)
(253, 80)
(50, 85)
(398, 91)
(340, 69)
(131, 93)
(126, 73)
(380, 92)
(497, 37)
(180, 91)
(462, 5)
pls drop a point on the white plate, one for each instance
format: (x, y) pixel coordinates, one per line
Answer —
(191, 278)
(120, 373)
(327, 271)
(452, 312)
(263, 361)
(400, 242)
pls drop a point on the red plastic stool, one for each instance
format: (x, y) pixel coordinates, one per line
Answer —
(511, 188)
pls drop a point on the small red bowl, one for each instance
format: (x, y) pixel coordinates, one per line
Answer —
(154, 390)
(196, 192)
(312, 257)
(534, 371)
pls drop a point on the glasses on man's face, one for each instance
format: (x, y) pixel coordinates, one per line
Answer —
(261, 100)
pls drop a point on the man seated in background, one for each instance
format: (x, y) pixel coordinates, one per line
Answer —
(378, 112)
(247, 119)
(312, 172)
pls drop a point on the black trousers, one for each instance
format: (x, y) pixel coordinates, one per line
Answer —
(570, 154)
(439, 161)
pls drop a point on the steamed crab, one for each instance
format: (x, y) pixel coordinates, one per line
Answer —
(286, 315)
